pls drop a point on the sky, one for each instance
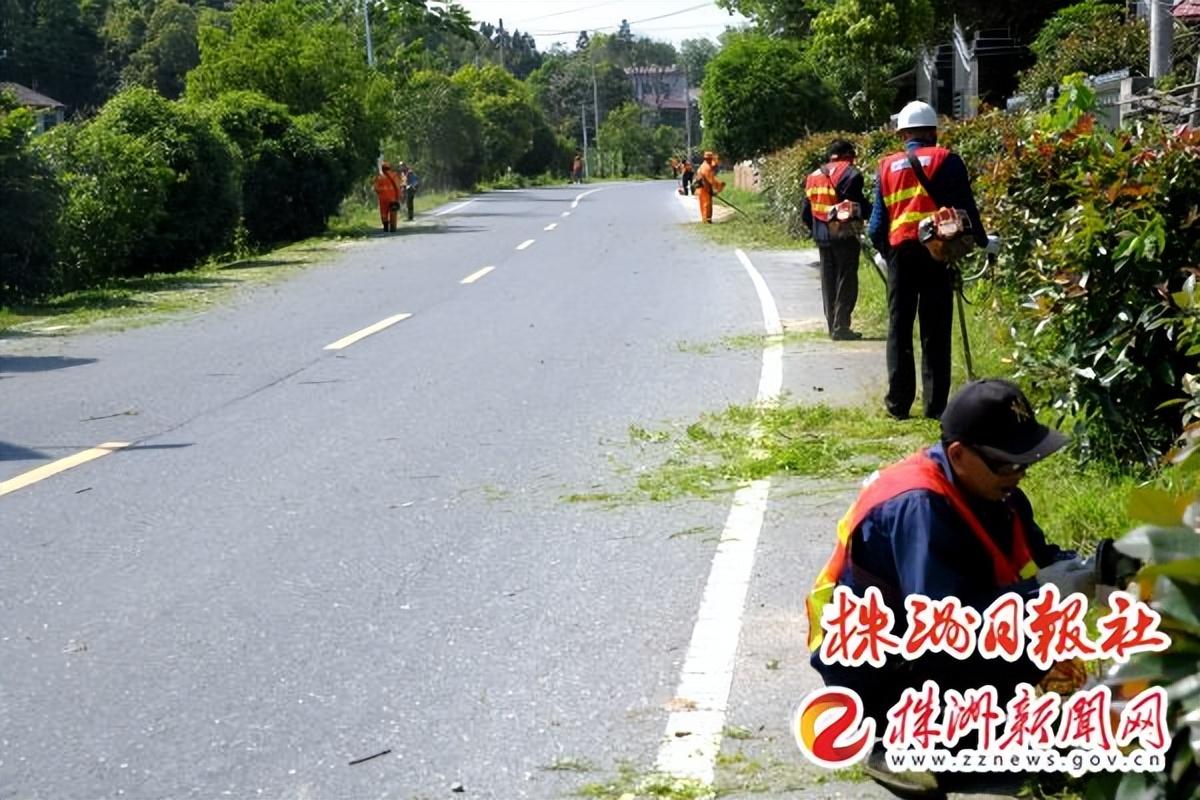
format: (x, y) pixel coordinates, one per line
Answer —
(551, 21)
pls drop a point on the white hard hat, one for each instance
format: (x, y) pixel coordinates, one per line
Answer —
(916, 115)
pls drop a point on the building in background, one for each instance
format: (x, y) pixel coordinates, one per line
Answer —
(49, 112)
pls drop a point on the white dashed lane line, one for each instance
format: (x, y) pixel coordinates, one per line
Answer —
(525, 244)
(566, 213)
(346, 341)
(474, 276)
(551, 226)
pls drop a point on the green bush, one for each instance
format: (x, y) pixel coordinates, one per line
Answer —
(293, 176)
(153, 187)
(1090, 37)
(438, 131)
(30, 197)
(760, 95)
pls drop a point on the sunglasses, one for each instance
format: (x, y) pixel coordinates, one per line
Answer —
(1004, 469)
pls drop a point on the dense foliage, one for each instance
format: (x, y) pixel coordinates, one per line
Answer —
(760, 95)
(29, 196)
(152, 186)
(1092, 37)
(1094, 282)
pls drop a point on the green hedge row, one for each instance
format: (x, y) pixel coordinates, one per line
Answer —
(1095, 282)
(152, 185)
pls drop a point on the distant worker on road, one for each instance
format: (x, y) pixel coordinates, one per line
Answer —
(707, 185)
(577, 169)
(686, 175)
(389, 190)
(411, 183)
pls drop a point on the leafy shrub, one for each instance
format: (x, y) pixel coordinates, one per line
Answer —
(1090, 37)
(293, 177)
(153, 186)
(760, 95)
(1169, 547)
(438, 131)
(30, 197)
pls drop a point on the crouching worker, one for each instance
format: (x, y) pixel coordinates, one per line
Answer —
(389, 190)
(947, 522)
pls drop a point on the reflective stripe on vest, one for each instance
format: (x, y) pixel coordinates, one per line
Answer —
(821, 189)
(906, 201)
(918, 471)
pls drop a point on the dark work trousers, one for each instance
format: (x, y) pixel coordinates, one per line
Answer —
(686, 182)
(409, 196)
(919, 288)
(839, 283)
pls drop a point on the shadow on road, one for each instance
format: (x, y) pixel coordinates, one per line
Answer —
(15, 364)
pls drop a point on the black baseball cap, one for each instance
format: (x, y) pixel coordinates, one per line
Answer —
(994, 417)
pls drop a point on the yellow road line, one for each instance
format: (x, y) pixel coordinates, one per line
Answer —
(346, 341)
(62, 465)
(474, 276)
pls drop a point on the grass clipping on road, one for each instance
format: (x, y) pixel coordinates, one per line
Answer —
(720, 451)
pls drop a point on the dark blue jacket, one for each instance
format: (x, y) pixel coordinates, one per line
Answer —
(850, 187)
(951, 187)
(916, 543)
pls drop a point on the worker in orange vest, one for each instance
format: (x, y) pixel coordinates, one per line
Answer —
(390, 191)
(948, 521)
(834, 208)
(706, 185)
(919, 286)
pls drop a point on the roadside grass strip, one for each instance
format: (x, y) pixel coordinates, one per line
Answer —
(61, 465)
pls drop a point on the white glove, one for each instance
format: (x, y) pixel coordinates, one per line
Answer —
(1071, 575)
(993, 245)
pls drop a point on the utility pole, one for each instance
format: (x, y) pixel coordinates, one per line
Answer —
(583, 124)
(367, 25)
(687, 107)
(596, 110)
(1162, 31)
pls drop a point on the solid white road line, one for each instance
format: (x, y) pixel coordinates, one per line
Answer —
(525, 244)
(474, 276)
(551, 226)
(346, 341)
(692, 739)
(582, 195)
(62, 465)
(452, 209)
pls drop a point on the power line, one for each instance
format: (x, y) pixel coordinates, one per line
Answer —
(631, 22)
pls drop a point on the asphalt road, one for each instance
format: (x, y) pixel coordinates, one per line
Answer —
(308, 556)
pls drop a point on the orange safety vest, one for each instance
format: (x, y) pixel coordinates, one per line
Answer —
(906, 201)
(918, 471)
(821, 188)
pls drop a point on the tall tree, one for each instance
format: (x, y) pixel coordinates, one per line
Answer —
(862, 44)
(170, 50)
(789, 18)
(694, 55)
(49, 46)
(760, 95)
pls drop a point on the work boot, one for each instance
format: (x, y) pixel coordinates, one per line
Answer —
(909, 783)
(845, 336)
